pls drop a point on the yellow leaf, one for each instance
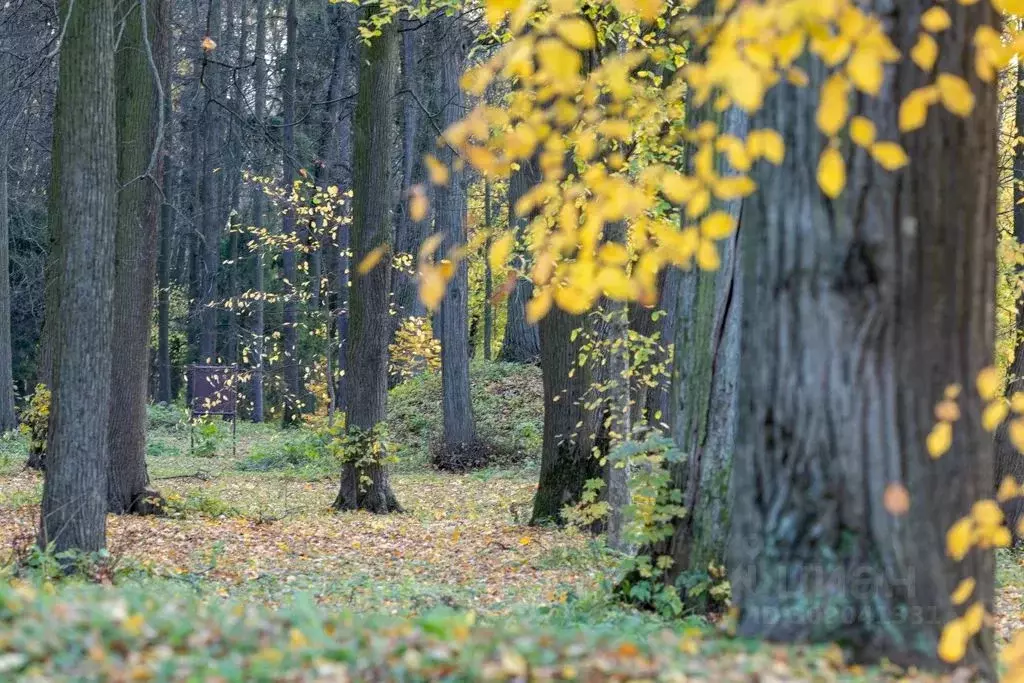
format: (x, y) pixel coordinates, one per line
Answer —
(538, 306)
(677, 187)
(525, 540)
(831, 173)
(994, 414)
(560, 62)
(862, 131)
(974, 618)
(936, 19)
(208, 44)
(963, 591)
(718, 225)
(771, 145)
(987, 513)
(500, 251)
(1016, 434)
(297, 639)
(896, 499)
(1008, 489)
(833, 105)
(577, 32)
(865, 70)
(431, 287)
(959, 538)
(371, 259)
(707, 256)
(914, 108)
(925, 52)
(988, 382)
(953, 643)
(955, 94)
(889, 155)
(939, 439)
(437, 171)
(418, 204)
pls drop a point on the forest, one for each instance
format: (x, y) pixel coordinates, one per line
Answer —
(517, 340)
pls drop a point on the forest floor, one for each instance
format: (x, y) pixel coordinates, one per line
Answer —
(459, 587)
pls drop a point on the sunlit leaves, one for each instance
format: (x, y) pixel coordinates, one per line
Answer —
(955, 94)
(832, 172)
(371, 259)
(889, 155)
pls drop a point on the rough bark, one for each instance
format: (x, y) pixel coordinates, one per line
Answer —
(74, 506)
(138, 215)
(366, 485)
(567, 461)
(450, 208)
(165, 391)
(858, 313)
(289, 262)
(1009, 461)
(521, 343)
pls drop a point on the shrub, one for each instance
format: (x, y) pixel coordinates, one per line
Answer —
(303, 452)
(35, 424)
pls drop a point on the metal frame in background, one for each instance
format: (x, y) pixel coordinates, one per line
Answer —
(199, 405)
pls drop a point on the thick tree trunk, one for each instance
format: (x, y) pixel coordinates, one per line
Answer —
(74, 507)
(258, 202)
(567, 461)
(521, 343)
(858, 313)
(460, 448)
(8, 421)
(364, 482)
(138, 215)
(290, 271)
(1009, 461)
(704, 311)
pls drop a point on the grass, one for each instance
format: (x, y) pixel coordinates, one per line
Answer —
(252, 576)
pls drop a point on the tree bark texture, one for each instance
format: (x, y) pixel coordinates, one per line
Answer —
(74, 506)
(858, 313)
(290, 271)
(258, 213)
(8, 421)
(138, 216)
(521, 343)
(367, 486)
(450, 209)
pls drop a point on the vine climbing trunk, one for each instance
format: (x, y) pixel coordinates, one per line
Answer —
(858, 313)
(365, 483)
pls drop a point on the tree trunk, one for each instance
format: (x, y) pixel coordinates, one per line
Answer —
(258, 203)
(364, 481)
(209, 197)
(460, 448)
(165, 392)
(858, 313)
(522, 339)
(138, 215)
(74, 506)
(488, 276)
(290, 272)
(1009, 462)
(8, 421)
(567, 461)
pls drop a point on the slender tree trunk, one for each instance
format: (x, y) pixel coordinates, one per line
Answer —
(258, 203)
(8, 421)
(858, 313)
(1009, 462)
(522, 339)
(450, 206)
(290, 270)
(409, 234)
(165, 392)
(138, 216)
(210, 197)
(488, 276)
(74, 506)
(365, 485)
